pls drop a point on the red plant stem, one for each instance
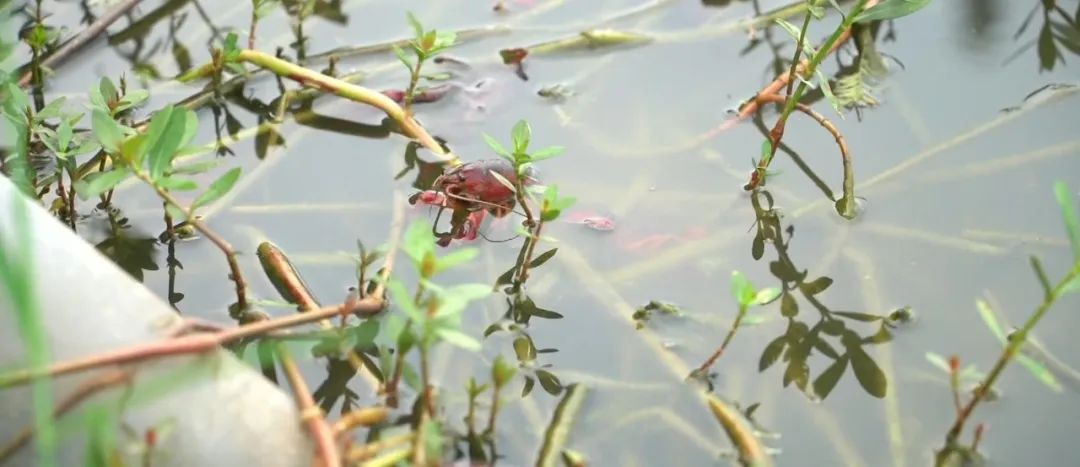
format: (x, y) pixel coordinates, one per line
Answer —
(187, 344)
(310, 413)
(84, 391)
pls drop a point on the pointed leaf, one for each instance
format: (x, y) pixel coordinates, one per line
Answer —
(521, 134)
(543, 258)
(772, 353)
(218, 188)
(100, 182)
(816, 286)
(826, 381)
(460, 339)
(549, 382)
(891, 9)
(496, 146)
(867, 371)
(106, 130)
(546, 153)
(741, 289)
(176, 183)
(1069, 215)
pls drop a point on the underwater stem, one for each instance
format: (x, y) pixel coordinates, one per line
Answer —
(310, 413)
(1016, 341)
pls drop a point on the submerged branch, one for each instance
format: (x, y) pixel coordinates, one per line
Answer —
(1015, 342)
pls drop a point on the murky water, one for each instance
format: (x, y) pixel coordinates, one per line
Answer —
(957, 195)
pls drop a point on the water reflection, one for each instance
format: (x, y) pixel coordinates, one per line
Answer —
(806, 334)
(131, 250)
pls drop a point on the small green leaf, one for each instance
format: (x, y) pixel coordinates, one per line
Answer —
(404, 300)
(107, 90)
(990, 318)
(196, 167)
(1069, 215)
(766, 295)
(218, 188)
(826, 381)
(163, 139)
(496, 146)
(543, 258)
(521, 134)
(741, 289)
(865, 317)
(524, 349)
(402, 56)
(64, 134)
(867, 371)
(546, 153)
(528, 387)
(938, 361)
(52, 109)
(461, 256)
(176, 183)
(100, 182)
(891, 9)
(418, 29)
(176, 213)
(789, 308)
(772, 353)
(134, 97)
(502, 371)
(106, 130)
(418, 241)
(458, 338)
(816, 286)
(549, 382)
(230, 48)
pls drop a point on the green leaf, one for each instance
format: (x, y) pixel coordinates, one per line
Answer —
(766, 295)
(772, 353)
(218, 188)
(461, 256)
(458, 338)
(454, 300)
(418, 29)
(741, 289)
(826, 381)
(549, 382)
(163, 135)
(938, 361)
(524, 349)
(107, 90)
(196, 167)
(134, 97)
(64, 134)
(543, 258)
(789, 308)
(867, 371)
(418, 241)
(990, 318)
(1068, 214)
(402, 56)
(865, 317)
(177, 214)
(230, 48)
(521, 134)
(826, 89)
(816, 286)
(106, 130)
(546, 153)
(51, 110)
(404, 300)
(100, 182)
(891, 9)
(502, 371)
(496, 146)
(176, 183)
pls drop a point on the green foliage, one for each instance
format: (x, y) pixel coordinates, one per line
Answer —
(746, 295)
(1036, 369)
(891, 9)
(521, 136)
(424, 44)
(16, 275)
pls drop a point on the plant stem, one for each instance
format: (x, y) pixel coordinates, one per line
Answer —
(187, 344)
(798, 52)
(414, 78)
(494, 413)
(704, 368)
(230, 255)
(310, 413)
(777, 132)
(1016, 341)
(331, 85)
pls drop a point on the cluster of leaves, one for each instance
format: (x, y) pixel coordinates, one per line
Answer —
(150, 155)
(425, 45)
(801, 338)
(644, 313)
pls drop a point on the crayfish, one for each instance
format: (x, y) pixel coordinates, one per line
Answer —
(471, 191)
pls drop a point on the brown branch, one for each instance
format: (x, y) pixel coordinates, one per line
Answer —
(187, 344)
(363, 417)
(74, 44)
(845, 154)
(310, 414)
(366, 451)
(84, 391)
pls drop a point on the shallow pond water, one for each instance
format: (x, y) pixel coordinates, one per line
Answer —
(955, 195)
